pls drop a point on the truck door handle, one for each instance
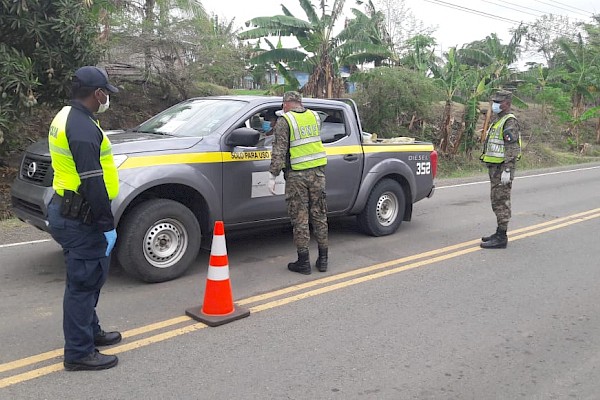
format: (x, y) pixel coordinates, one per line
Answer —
(350, 157)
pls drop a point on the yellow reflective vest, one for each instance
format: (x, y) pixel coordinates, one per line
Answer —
(66, 176)
(306, 149)
(493, 148)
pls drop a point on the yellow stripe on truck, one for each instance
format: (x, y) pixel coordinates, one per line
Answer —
(171, 159)
(254, 155)
(385, 148)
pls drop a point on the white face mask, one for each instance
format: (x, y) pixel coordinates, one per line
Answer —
(104, 107)
(495, 108)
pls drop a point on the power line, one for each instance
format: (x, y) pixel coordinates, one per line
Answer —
(481, 13)
(472, 11)
(562, 8)
(528, 8)
(575, 8)
(510, 8)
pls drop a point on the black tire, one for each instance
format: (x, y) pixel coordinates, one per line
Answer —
(384, 210)
(158, 240)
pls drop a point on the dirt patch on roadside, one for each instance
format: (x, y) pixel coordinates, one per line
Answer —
(7, 176)
(13, 231)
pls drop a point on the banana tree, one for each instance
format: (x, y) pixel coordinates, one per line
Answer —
(320, 50)
(493, 59)
(578, 72)
(316, 39)
(451, 77)
(365, 38)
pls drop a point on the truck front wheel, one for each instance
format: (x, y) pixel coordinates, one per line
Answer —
(384, 210)
(158, 240)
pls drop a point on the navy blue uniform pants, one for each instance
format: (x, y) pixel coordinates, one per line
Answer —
(84, 248)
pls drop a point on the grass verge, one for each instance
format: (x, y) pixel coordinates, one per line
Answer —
(11, 223)
(460, 166)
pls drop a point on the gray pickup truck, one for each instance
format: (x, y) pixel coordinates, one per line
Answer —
(207, 159)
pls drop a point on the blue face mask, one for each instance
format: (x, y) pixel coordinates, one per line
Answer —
(496, 108)
(266, 126)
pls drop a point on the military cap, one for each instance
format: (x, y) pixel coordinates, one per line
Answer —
(292, 96)
(502, 95)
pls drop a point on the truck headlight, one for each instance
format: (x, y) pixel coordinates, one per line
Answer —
(119, 159)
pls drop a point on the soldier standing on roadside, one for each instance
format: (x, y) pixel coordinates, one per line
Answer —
(298, 150)
(501, 150)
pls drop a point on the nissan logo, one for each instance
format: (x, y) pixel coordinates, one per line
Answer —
(31, 168)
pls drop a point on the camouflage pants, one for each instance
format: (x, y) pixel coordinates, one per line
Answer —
(500, 196)
(305, 197)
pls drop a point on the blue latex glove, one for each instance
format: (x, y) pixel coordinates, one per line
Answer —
(111, 239)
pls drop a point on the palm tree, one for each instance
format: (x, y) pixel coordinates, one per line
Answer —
(316, 39)
(578, 72)
(365, 38)
(451, 77)
(320, 51)
(494, 60)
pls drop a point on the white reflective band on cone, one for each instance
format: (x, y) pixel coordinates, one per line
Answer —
(218, 247)
(218, 273)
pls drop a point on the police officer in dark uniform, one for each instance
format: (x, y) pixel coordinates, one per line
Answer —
(80, 216)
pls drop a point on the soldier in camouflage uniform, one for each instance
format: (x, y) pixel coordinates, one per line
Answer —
(298, 150)
(501, 150)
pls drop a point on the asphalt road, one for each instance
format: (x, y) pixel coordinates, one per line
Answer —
(422, 314)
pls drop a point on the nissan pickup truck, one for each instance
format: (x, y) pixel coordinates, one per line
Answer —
(207, 159)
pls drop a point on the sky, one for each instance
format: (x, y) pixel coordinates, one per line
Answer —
(454, 27)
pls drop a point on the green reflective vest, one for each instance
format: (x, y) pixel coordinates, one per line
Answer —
(66, 176)
(306, 149)
(493, 148)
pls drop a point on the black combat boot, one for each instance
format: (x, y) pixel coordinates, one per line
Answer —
(321, 264)
(499, 241)
(493, 235)
(302, 265)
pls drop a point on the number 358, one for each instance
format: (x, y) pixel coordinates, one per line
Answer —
(423, 168)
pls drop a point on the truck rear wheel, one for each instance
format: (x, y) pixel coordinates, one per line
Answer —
(158, 240)
(384, 210)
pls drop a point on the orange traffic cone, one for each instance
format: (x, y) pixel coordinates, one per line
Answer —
(218, 307)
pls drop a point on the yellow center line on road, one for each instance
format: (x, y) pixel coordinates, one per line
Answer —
(366, 278)
(39, 372)
(291, 289)
(375, 267)
(23, 362)
(524, 233)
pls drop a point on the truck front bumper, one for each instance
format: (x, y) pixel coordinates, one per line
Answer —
(30, 203)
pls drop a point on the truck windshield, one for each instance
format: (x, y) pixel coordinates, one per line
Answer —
(199, 117)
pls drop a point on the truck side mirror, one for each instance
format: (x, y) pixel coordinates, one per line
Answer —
(243, 137)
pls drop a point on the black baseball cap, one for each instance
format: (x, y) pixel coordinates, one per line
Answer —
(95, 77)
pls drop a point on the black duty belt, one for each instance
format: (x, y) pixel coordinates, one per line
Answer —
(73, 205)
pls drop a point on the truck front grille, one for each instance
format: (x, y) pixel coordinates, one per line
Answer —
(37, 169)
(25, 205)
